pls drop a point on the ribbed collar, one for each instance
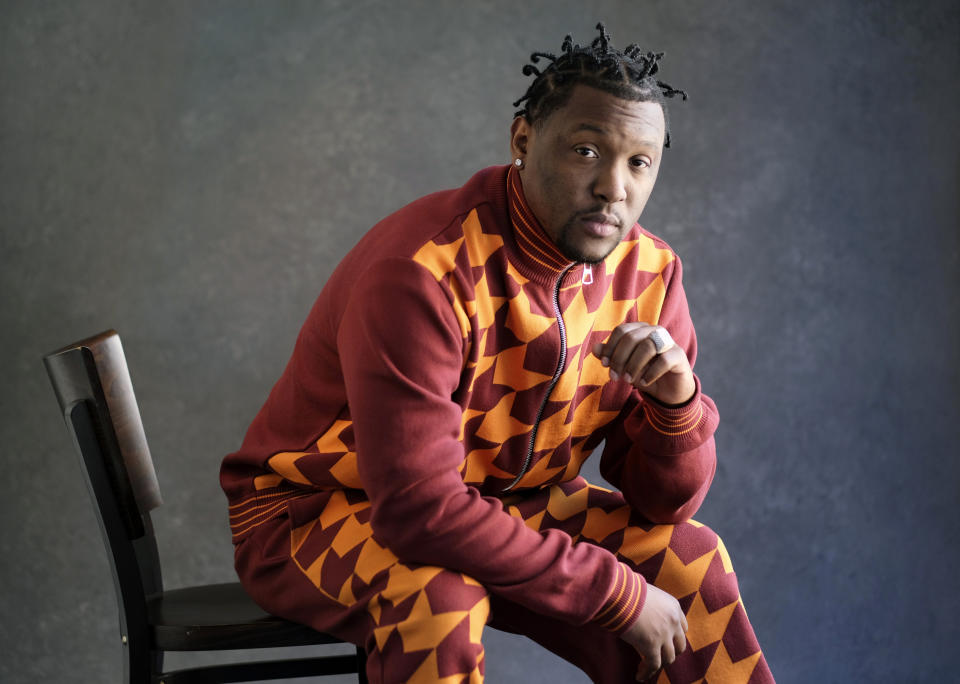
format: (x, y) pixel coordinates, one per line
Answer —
(537, 250)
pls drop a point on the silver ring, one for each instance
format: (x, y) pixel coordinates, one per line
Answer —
(661, 339)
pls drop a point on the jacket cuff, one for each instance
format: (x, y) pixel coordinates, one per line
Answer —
(676, 422)
(624, 602)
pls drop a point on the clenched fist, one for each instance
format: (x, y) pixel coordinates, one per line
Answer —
(632, 357)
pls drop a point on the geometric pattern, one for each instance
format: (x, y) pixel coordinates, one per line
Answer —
(687, 560)
(509, 321)
(533, 405)
(424, 623)
(507, 310)
(429, 623)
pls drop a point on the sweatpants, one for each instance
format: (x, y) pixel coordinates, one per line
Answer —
(421, 623)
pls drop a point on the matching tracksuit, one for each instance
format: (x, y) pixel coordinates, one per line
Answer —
(414, 474)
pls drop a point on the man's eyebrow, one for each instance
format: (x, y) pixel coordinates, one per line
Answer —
(590, 127)
(593, 128)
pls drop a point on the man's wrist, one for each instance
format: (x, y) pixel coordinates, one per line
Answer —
(663, 404)
(675, 420)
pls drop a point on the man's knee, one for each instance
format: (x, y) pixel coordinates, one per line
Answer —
(681, 559)
(696, 561)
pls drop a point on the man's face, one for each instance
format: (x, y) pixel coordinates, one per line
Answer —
(589, 169)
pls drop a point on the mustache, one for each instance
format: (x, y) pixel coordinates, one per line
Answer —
(598, 215)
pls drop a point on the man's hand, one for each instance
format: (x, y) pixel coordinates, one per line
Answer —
(658, 635)
(631, 356)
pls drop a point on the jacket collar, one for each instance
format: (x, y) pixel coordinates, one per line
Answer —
(537, 252)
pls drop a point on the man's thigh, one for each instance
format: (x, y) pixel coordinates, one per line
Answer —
(416, 622)
(687, 560)
(675, 557)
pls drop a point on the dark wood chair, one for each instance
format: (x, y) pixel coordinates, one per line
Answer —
(96, 396)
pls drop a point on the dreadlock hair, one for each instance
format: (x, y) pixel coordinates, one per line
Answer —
(628, 75)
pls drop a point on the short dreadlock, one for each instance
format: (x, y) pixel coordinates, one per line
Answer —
(628, 75)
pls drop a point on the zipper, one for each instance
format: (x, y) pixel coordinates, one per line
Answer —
(553, 381)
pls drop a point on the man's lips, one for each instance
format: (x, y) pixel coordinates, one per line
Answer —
(600, 224)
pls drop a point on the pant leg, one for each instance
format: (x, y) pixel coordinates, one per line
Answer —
(687, 560)
(418, 624)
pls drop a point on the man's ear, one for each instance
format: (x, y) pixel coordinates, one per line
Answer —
(520, 134)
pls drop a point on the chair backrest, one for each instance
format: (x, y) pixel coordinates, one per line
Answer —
(93, 386)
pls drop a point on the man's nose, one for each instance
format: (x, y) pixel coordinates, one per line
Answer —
(610, 184)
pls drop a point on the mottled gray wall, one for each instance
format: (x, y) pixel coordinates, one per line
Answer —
(190, 172)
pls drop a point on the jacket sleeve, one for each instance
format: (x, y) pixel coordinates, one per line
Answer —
(402, 355)
(663, 458)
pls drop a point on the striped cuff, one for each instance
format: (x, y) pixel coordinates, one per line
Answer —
(624, 602)
(675, 421)
(262, 506)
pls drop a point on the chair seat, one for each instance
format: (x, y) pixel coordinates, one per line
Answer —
(219, 617)
(95, 394)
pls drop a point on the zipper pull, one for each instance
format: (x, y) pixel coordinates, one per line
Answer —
(587, 277)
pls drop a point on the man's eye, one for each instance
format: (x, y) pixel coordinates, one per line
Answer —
(639, 163)
(585, 151)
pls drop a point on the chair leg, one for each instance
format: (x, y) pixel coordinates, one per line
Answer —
(362, 665)
(139, 662)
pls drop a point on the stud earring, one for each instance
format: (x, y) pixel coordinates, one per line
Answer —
(518, 162)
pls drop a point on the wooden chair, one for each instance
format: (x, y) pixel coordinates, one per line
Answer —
(96, 396)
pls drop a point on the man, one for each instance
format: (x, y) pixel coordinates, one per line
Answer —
(414, 472)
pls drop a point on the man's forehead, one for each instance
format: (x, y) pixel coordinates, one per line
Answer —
(595, 111)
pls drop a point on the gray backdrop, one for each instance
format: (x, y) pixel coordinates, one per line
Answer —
(190, 172)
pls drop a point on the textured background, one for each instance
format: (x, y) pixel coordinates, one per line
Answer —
(190, 172)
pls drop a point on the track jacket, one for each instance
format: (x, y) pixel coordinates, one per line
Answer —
(446, 366)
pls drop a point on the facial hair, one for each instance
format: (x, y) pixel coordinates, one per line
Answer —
(565, 242)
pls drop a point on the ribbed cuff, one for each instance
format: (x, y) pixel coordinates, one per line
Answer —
(624, 602)
(675, 421)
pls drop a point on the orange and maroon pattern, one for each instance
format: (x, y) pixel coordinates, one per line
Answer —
(422, 623)
(517, 406)
(514, 344)
(512, 347)
(415, 612)
(687, 560)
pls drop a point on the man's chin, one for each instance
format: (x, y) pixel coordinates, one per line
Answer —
(594, 254)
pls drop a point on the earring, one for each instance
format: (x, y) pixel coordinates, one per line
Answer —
(518, 162)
